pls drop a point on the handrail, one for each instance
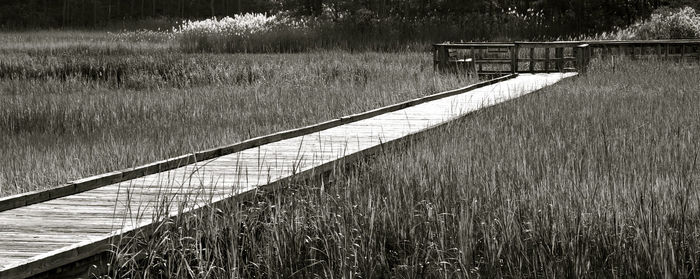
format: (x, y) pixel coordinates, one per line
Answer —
(476, 44)
(592, 43)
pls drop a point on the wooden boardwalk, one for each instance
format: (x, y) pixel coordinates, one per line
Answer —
(49, 234)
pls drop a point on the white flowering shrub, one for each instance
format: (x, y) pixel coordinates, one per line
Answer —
(684, 24)
(663, 24)
(245, 33)
(239, 25)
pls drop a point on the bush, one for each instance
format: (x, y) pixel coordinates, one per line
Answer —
(245, 33)
(664, 23)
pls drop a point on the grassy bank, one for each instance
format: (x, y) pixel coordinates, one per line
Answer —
(72, 111)
(593, 177)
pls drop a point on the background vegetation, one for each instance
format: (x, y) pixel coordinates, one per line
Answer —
(476, 19)
(664, 23)
(283, 33)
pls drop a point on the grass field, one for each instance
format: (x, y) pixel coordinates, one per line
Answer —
(593, 177)
(75, 105)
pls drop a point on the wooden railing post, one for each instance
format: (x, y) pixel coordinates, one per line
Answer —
(583, 57)
(481, 56)
(546, 59)
(682, 53)
(435, 58)
(443, 57)
(559, 55)
(472, 51)
(514, 58)
(532, 60)
(607, 51)
(620, 52)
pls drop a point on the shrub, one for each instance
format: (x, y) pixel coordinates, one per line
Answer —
(245, 33)
(664, 23)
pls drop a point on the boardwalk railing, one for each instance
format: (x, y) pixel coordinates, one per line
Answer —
(560, 56)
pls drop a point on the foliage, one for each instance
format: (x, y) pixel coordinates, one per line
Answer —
(245, 33)
(561, 18)
(664, 23)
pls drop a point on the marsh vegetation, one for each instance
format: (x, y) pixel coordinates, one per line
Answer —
(72, 111)
(593, 177)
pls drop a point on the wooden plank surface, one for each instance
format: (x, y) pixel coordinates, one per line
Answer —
(45, 235)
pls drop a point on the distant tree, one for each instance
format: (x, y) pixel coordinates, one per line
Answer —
(561, 16)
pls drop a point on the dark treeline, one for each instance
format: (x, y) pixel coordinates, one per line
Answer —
(567, 16)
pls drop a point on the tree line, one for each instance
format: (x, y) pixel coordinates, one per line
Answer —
(571, 16)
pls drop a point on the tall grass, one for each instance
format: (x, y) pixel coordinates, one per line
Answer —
(69, 114)
(80, 42)
(593, 177)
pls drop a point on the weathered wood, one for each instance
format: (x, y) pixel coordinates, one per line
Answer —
(559, 55)
(481, 57)
(682, 53)
(532, 60)
(584, 55)
(546, 60)
(443, 57)
(514, 56)
(604, 51)
(496, 61)
(479, 45)
(436, 58)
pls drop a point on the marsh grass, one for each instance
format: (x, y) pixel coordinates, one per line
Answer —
(80, 42)
(593, 177)
(68, 113)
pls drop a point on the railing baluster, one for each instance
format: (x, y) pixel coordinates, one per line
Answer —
(481, 56)
(514, 54)
(559, 54)
(546, 59)
(682, 53)
(532, 60)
